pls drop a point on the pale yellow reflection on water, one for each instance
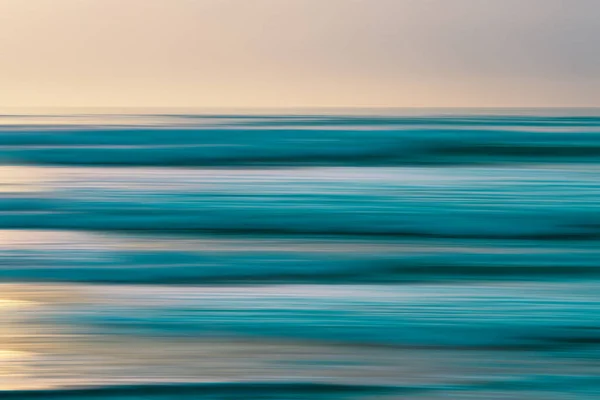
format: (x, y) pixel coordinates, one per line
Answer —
(14, 362)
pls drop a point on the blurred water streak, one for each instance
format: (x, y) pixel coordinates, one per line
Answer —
(364, 255)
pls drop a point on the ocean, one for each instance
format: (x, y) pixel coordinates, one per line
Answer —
(355, 254)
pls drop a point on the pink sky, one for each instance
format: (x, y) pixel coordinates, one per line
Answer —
(299, 53)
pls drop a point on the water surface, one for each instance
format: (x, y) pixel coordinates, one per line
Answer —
(299, 254)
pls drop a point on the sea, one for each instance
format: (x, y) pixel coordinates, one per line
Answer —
(322, 254)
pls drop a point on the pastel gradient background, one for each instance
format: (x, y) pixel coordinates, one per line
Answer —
(299, 53)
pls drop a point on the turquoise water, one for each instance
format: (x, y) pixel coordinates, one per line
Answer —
(341, 254)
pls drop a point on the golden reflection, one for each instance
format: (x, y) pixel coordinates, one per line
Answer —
(14, 363)
(26, 343)
(15, 303)
(15, 370)
(12, 355)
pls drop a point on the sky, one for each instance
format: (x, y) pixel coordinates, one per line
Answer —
(299, 53)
